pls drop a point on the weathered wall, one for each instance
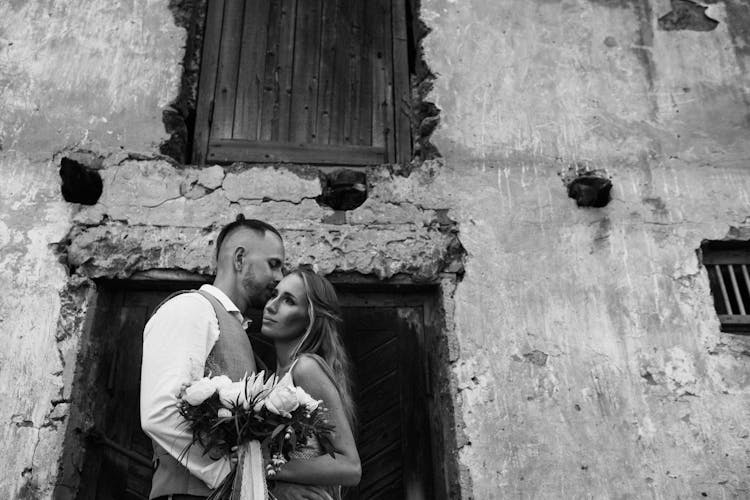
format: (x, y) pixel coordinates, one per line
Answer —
(79, 74)
(584, 343)
(591, 363)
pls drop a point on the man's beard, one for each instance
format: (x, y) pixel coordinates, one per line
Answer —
(257, 294)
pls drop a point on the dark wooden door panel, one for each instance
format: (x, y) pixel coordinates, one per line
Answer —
(118, 458)
(383, 338)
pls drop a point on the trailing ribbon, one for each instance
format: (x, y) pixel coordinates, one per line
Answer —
(250, 480)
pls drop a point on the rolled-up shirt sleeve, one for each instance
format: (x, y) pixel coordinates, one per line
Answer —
(176, 343)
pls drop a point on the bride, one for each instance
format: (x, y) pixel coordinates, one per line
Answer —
(302, 319)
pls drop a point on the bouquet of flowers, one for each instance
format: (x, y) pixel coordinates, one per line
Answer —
(257, 416)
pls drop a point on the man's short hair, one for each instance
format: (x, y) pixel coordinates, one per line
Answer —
(241, 222)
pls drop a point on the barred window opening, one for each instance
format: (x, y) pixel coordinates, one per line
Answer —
(728, 267)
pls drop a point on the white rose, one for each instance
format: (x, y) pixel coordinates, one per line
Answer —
(267, 388)
(282, 400)
(199, 391)
(233, 394)
(221, 381)
(306, 400)
(223, 412)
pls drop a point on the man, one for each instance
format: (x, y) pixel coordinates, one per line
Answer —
(194, 333)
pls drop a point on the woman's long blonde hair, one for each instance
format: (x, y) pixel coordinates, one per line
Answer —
(322, 340)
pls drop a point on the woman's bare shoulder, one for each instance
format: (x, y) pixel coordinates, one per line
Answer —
(309, 365)
(311, 369)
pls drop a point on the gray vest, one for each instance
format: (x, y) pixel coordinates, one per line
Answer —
(232, 355)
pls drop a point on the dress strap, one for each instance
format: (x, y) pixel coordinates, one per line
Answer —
(291, 367)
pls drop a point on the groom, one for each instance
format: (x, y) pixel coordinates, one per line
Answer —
(192, 333)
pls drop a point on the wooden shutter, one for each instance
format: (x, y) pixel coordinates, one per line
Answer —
(304, 81)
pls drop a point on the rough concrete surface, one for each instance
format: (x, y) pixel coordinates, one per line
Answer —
(584, 357)
(640, 395)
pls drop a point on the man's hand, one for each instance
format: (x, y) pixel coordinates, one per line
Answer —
(292, 491)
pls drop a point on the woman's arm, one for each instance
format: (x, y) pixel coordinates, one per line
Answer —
(345, 469)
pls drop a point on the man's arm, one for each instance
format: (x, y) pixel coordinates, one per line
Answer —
(176, 343)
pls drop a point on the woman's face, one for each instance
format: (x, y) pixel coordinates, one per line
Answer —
(285, 315)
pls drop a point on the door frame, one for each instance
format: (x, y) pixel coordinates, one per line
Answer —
(398, 291)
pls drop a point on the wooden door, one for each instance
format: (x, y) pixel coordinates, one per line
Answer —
(384, 334)
(117, 465)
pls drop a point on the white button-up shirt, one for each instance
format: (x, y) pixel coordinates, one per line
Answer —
(176, 343)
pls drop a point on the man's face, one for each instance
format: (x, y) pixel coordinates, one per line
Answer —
(262, 268)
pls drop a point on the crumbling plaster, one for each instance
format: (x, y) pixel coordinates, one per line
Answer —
(153, 215)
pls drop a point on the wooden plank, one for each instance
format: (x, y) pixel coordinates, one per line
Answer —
(233, 150)
(327, 70)
(386, 428)
(341, 83)
(306, 64)
(379, 397)
(379, 75)
(384, 355)
(390, 142)
(379, 365)
(368, 319)
(278, 71)
(373, 447)
(401, 84)
(271, 88)
(251, 70)
(388, 487)
(207, 83)
(226, 84)
(381, 466)
(363, 134)
(361, 340)
(286, 72)
(414, 418)
(351, 107)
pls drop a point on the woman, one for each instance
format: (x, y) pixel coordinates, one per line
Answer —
(303, 319)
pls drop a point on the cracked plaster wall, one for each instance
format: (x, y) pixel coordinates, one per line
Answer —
(586, 349)
(91, 75)
(91, 79)
(591, 361)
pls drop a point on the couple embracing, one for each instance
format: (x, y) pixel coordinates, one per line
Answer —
(203, 331)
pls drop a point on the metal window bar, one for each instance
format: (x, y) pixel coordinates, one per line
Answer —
(735, 316)
(745, 275)
(722, 286)
(736, 289)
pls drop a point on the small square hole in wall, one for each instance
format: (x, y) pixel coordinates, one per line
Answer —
(728, 267)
